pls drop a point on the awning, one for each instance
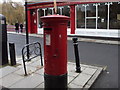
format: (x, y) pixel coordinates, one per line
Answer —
(73, 0)
(33, 4)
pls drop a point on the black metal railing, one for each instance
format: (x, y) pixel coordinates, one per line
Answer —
(32, 50)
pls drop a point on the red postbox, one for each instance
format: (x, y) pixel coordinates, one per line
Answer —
(55, 51)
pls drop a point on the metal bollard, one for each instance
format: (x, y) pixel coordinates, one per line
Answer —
(12, 54)
(75, 43)
(3, 41)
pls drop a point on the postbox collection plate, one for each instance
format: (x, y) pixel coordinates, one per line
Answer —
(48, 39)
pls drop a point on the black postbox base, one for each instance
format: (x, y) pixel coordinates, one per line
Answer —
(55, 82)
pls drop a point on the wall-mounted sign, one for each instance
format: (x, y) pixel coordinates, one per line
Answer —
(34, 21)
(2, 22)
(118, 16)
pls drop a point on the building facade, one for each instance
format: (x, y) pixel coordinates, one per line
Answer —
(101, 19)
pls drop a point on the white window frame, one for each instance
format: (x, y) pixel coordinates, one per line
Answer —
(96, 17)
(61, 10)
(52, 10)
(44, 9)
(108, 13)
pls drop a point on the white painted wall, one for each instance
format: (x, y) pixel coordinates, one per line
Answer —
(114, 33)
(98, 32)
(40, 31)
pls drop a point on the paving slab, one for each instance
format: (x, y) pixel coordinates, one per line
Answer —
(35, 79)
(10, 79)
(72, 86)
(19, 89)
(89, 71)
(72, 67)
(70, 79)
(81, 79)
(40, 71)
(27, 63)
(94, 77)
(31, 81)
(73, 74)
(29, 70)
(40, 86)
(7, 70)
(35, 63)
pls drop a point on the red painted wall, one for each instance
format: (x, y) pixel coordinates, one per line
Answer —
(29, 21)
(32, 21)
(72, 19)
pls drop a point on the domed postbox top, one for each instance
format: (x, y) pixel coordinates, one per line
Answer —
(54, 18)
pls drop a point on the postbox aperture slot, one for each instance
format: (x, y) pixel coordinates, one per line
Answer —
(47, 28)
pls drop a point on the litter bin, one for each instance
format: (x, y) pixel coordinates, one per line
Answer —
(3, 41)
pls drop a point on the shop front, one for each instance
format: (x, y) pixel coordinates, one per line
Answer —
(98, 18)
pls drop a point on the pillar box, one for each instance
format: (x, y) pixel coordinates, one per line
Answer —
(55, 51)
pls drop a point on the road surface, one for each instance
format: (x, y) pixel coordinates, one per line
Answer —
(90, 53)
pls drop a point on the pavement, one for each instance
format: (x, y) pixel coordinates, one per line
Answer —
(106, 41)
(12, 77)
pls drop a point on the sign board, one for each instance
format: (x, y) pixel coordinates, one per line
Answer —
(118, 16)
(2, 22)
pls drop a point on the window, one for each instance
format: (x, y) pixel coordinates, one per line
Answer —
(66, 12)
(40, 13)
(43, 12)
(91, 16)
(115, 15)
(98, 15)
(63, 10)
(86, 16)
(102, 14)
(80, 18)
